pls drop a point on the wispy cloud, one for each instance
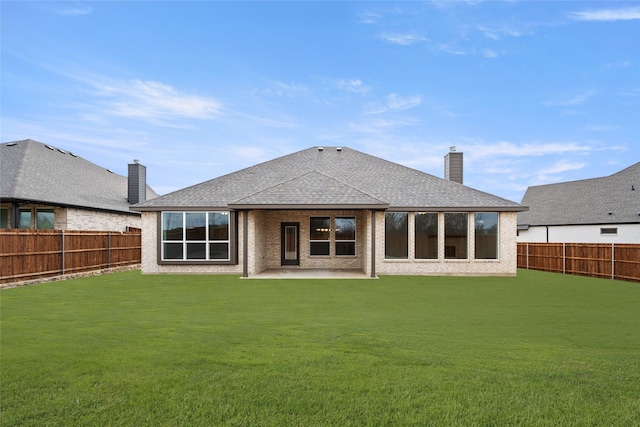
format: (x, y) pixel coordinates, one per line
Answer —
(499, 33)
(483, 149)
(155, 101)
(285, 89)
(402, 39)
(621, 14)
(394, 102)
(569, 101)
(76, 11)
(354, 86)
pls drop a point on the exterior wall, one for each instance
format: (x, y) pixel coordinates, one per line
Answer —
(82, 219)
(505, 265)
(150, 252)
(265, 246)
(627, 233)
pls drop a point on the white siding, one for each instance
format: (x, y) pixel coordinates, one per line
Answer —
(627, 233)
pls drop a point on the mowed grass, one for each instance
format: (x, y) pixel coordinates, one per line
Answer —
(131, 350)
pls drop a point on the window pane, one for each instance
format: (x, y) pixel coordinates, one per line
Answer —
(25, 219)
(345, 228)
(218, 251)
(426, 235)
(44, 219)
(196, 223)
(396, 231)
(319, 248)
(4, 218)
(172, 251)
(455, 235)
(196, 250)
(218, 226)
(486, 235)
(172, 226)
(320, 228)
(345, 248)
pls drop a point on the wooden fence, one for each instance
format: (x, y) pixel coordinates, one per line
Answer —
(33, 254)
(607, 260)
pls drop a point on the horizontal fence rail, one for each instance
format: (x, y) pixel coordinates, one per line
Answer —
(619, 261)
(34, 254)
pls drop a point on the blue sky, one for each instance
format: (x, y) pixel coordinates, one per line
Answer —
(532, 92)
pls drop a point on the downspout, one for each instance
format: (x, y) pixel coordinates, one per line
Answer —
(547, 227)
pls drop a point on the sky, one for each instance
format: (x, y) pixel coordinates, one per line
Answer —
(532, 92)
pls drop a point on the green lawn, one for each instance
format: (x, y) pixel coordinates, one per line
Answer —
(127, 349)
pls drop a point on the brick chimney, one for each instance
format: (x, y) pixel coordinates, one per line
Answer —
(137, 180)
(453, 165)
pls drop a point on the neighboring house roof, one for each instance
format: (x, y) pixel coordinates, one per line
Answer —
(331, 177)
(613, 199)
(34, 172)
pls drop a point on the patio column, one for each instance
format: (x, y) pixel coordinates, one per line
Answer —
(245, 243)
(373, 243)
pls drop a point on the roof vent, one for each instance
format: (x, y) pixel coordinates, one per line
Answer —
(339, 149)
(62, 151)
(321, 149)
(49, 147)
(11, 144)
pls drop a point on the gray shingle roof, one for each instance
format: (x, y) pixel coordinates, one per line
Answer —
(329, 178)
(35, 172)
(587, 201)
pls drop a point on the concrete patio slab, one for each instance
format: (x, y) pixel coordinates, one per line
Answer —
(291, 273)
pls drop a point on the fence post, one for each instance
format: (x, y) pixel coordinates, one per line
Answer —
(62, 251)
(527, 255)
(613, 261)
(564, 258)
(109, 251)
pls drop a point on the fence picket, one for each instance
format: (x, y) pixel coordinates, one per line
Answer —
(586, 259)
(33, 254)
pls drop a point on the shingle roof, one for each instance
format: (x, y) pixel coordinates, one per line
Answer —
(35, 172)
(613, 199)
(331, 178)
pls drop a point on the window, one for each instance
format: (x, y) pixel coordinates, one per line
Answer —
(426, 227)
(4, 218)
(24, 218)
(319, 235)
(455, 235)
(345, 234)
(45, 219)
(612, 230)
(195, 236)
(396, 235)
(486, 235)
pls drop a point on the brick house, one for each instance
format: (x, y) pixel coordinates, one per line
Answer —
(44, 187)
(331, 208)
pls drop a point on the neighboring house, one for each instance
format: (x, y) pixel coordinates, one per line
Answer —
(597, 210)
(331, 208)
(43, 187)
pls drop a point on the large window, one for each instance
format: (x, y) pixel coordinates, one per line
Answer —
(345, 235)
(44, 219)
(195, 236)
(4, 218)
(24, 218)
(426, 239)
(486, 235)
(456, 235)
(396, 235)
(319, 235)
